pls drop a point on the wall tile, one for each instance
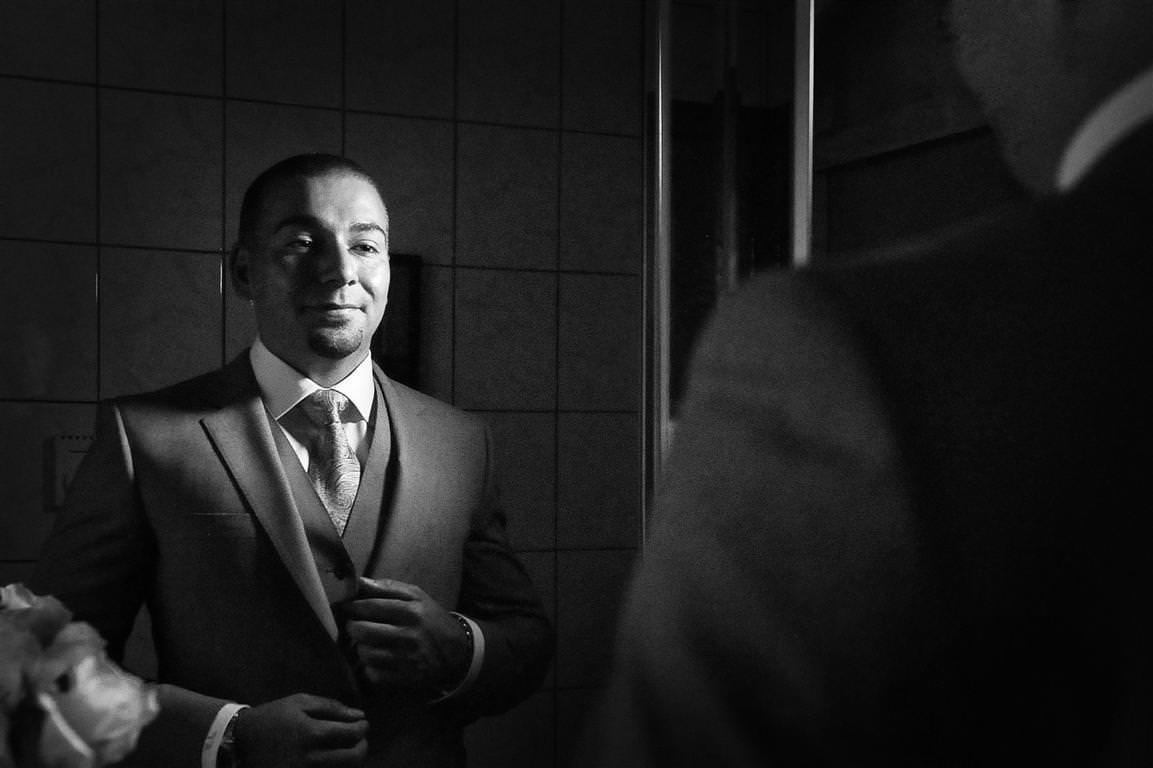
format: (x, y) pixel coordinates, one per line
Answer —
(28, 25)
(159, 318)
(522, 736)
(260, 135)
(892, 56)
(575, 708)
(506, 340)
(400, 56)
(48, 153)
(160, 170)
(239, 322)
(509, 58)
(48, 352)
(602, 204)
(599, 478)
(26, 464)
(868, 204)
(507, 197)
(590, 586)
(175, 45)
(411, 160)
(541, 567)
(284, 50)
(526, 469)
(435, 356)
(603, 65)
(599, 342)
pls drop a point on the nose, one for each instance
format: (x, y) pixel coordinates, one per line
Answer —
(334, 264)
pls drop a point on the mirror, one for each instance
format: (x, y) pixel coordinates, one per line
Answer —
(790, 132)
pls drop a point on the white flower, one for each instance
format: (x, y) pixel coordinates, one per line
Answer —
(94, 710)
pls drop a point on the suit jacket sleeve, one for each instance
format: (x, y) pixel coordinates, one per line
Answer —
(498, 595)
(98, 561)
(779, 500)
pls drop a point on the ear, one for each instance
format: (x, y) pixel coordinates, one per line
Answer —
(239, 263)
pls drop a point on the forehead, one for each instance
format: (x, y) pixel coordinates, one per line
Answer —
(336, 199)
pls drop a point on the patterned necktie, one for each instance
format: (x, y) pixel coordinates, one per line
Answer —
(332, 465)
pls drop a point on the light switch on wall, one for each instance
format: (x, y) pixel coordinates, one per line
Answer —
(67, 452)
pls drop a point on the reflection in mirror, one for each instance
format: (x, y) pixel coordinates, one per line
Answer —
(888, 148)
(731, 95)
(901, 151)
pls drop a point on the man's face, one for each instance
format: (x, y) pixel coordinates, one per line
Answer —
(318, 271)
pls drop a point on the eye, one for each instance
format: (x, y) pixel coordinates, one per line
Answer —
(366, 247)
(298, 244)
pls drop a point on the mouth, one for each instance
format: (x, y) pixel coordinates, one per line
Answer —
(331, 310)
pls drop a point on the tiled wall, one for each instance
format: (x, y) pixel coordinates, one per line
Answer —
(507, 135)
(892, 114)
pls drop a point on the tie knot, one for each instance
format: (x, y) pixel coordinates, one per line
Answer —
(324, 406)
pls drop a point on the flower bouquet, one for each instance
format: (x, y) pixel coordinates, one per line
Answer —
(63, 703)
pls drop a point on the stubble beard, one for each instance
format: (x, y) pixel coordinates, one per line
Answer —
(335, 343)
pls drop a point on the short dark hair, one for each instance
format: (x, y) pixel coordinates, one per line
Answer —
(296, 167)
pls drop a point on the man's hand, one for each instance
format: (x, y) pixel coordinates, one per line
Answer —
(404, 638)
(301, 730)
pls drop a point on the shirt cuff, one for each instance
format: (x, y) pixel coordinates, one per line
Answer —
(474, 665)
(216, 733)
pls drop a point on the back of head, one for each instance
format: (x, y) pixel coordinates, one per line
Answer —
(302, 166)
(1040, 67)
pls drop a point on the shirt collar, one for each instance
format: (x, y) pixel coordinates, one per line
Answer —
(1117, 116)
(282, 386)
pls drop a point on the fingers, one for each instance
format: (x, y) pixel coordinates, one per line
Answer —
(387, 611)
(388, 588)
(400, 676)
(338, 735)
(321, 708)
(353, 757)
(381, 644)
(301, 729)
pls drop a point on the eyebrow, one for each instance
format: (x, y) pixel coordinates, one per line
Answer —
(368, 226)
(302, 220)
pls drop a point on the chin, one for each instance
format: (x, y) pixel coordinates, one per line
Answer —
(336, 345)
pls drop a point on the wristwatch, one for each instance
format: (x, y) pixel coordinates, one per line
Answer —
(226, 756)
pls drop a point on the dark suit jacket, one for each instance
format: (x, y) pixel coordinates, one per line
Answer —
(906, 516)
(182, 503)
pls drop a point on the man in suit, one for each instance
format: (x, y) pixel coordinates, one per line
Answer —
(905, 518)
(321, 549)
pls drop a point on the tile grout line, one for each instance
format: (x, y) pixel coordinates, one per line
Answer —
(557, 386)
(343, 78)
(223, 182)
(318, 107)
(97, 91)
(455, 213)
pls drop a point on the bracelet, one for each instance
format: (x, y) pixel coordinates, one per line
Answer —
(226, 756)
(468, 634)
(471, 650)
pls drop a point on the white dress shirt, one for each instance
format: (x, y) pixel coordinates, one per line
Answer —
(282, 387)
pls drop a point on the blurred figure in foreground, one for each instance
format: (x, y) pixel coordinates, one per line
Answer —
(905, 516)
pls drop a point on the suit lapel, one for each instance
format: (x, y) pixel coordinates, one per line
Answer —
(404, 550)
(241, 432)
